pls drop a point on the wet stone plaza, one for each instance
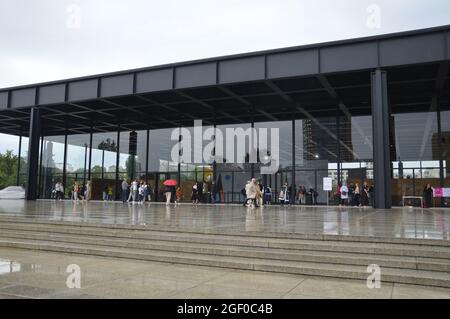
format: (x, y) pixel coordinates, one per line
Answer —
(408, 223)
(28, 271)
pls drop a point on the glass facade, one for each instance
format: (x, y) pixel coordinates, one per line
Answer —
(311, 147)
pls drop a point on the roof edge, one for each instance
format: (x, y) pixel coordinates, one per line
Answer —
(239, 55)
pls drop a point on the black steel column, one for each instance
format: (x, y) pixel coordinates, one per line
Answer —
(180, 151)
(441, 152)
(294, 188)
(65, 161)
(147, 154)
(19, 160)
(381, 153)
(33, 155)
(118, 163)
(85, 163)
(252, 165)
(338, 143)
(90, 153)
(41, 167)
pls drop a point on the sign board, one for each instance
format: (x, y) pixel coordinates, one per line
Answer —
(446, 192)
(327, 184)
(438, 193)
(441, 192)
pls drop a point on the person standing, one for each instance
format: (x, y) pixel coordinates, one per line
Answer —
(357, 196)
(267, 195)
(109, 193)
(178, 195)
(252, 192)
(141, 191)
(364, 195)
(149, 192)
(168, 193)
(133, 191)
(214, 191)
(75, 191)
(124, 188)
(428, 196)
(344, 196)
(259, 196)
(88, 191)
(194, 195)
(244, 193)
(284, 196)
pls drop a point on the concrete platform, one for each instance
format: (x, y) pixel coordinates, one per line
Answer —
(37, 275)
(398, 223)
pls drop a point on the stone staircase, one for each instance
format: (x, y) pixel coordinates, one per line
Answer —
(409, 261)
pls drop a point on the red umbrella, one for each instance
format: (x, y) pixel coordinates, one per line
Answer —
(170, 182)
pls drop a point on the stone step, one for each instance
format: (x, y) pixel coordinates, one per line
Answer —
(263, 235)
(405, 276)
(394, 249)
(239, 251)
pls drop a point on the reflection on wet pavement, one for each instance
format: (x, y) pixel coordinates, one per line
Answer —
(399, 223)
(40, 275)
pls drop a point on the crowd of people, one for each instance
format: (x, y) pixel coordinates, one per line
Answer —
(136, 191)
(354, 195)
(255, 194)
(78, 192)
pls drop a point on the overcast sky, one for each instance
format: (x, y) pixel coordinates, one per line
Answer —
(55, 39)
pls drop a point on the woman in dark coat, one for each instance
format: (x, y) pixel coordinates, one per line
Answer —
(194, 195)
(428, 196)
(364, 195)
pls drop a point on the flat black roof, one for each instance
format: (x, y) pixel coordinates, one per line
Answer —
(264, 86)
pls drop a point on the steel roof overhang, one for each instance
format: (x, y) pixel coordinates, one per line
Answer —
(261, 86)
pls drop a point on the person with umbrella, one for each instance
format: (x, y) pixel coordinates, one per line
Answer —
(168, 190)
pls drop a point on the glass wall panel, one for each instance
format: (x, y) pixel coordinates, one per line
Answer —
(160, 151)
(132, 165)
(9, 160)
(445, 142)
(356, 149)
(24, 161)
(77, 160)
(52, 164)
(103, 164)
(233, 175)
(316, 153)
(414, 153)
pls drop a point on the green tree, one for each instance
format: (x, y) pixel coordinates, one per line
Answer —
(8, 169)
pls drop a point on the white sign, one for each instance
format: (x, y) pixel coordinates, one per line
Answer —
(327, 184)
(446, 192)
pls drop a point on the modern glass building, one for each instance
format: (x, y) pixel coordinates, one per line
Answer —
(373, 109)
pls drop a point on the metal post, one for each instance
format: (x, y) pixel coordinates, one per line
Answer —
(117, 185)
(381, 153)
(41, 168)
(85, 163)
(65, 160)
(338, 141)
(33, 154)
(293, 186)
(90, 153)
(19, 160)
(441, 153)
(147, 148)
